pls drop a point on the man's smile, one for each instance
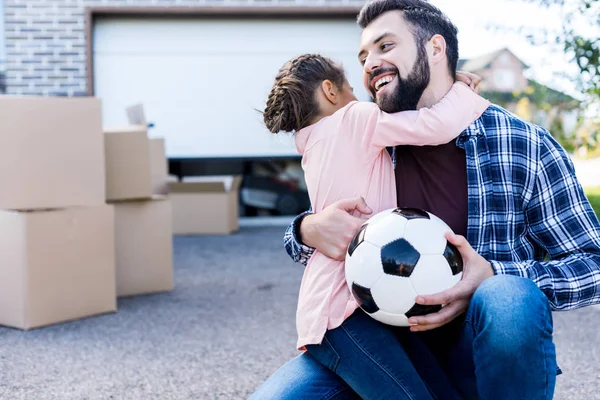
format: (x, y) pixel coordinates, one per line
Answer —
(382, 80)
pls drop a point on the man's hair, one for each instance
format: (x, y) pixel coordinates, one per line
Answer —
(292, 103)
(425, 19)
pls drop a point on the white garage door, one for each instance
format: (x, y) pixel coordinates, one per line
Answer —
(202, 80)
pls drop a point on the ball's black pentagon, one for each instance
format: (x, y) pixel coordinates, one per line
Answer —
(455, 261)
(411, 213)
(358, 239)
(399, 258)
(364, 298)
(420, 309)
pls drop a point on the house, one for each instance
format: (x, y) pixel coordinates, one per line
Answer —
(201, 68)
(504, 82)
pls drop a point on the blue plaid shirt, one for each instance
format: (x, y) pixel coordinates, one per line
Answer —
(524, 202)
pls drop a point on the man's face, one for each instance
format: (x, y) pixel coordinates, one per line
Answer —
(395, 70)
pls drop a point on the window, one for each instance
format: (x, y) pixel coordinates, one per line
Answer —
(504, 79)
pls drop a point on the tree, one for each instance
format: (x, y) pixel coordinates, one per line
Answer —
(580, 38)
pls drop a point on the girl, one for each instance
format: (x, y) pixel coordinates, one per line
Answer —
(342, 143)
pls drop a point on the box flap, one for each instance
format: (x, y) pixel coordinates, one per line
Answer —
(196, 187)
(237, 181)
(206, 184)
(126, 129)
(136, 115)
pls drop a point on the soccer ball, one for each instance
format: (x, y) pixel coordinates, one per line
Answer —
(396, 255)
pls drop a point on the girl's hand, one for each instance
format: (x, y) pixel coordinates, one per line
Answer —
(469, 79)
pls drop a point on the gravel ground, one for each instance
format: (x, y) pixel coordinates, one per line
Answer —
(225, 328)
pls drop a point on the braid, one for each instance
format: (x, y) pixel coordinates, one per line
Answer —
(291, 104)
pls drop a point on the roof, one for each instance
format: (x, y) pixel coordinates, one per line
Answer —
(483, 61)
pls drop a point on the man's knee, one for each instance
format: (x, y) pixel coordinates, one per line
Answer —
(302, 378)
(512, 311)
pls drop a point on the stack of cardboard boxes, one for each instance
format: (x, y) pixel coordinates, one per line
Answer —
(57, 237)
(136, 178)
(79, 223)
(205, 205)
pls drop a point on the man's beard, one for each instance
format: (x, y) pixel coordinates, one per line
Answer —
(408, 91)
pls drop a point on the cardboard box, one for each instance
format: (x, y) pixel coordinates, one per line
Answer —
(144, 246)
(159, 166)
(56, 265)
(51, 152)
(128, 166)
(206, 205)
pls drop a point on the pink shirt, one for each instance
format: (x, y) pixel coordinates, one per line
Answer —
(344, 156)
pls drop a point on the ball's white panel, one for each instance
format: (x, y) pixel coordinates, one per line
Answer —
(432, 275)
(364, 266)
(386, 230)
(438, 220)
(426, 236)
(394, 294)
(379, 216)
(390, 319)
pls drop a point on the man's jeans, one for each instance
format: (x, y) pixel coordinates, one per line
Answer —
(501, 349)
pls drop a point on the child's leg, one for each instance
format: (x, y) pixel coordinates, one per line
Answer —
(369, 358)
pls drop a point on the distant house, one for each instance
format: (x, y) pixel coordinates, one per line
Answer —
(501, 70)
(504, 83)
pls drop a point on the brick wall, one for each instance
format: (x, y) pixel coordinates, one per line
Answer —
(45, 39)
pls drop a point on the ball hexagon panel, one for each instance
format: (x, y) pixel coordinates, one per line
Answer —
(454, 259)
(364, 298)
(394, 294)
(364, 265)
(399, 258)
(386, 230)
(432, 275)
(390, 319)
(426, 236)
(444, 225)
(380, 216)
(411, 213)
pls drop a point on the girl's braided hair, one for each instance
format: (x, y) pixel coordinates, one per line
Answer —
(292, 104)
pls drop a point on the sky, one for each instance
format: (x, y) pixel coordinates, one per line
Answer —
(472, 17)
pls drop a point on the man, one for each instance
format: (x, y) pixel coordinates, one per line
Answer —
(506, 186)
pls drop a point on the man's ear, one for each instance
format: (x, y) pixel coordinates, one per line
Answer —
(330, 91)
(437, 49)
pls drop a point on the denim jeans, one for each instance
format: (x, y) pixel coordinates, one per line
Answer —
(500, 349)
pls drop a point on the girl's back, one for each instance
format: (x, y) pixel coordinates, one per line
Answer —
(343, 142)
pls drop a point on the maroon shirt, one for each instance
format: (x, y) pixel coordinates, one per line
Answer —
(434, 178)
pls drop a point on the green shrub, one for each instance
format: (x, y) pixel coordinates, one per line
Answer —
(593, 194)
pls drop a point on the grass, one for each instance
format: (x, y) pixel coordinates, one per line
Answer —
(593, 194)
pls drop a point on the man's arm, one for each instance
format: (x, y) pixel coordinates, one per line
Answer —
(561, 220)
(298, 251)
(329, 231)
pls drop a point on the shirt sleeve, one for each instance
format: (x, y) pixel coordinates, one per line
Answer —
(373, 129)
(562, 221)
(298, 251)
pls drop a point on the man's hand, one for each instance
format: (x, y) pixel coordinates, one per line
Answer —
(331, 230)
(476, 269)
(469, 79)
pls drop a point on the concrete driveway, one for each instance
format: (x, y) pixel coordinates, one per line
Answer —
(225, 328)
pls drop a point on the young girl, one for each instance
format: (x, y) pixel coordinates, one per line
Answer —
(342, 143)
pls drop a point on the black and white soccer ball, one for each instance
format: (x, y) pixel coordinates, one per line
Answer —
(396, 255)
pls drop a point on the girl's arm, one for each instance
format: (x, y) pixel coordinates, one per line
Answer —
(374, 129)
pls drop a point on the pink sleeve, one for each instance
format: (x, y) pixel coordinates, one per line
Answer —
(374, 129)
